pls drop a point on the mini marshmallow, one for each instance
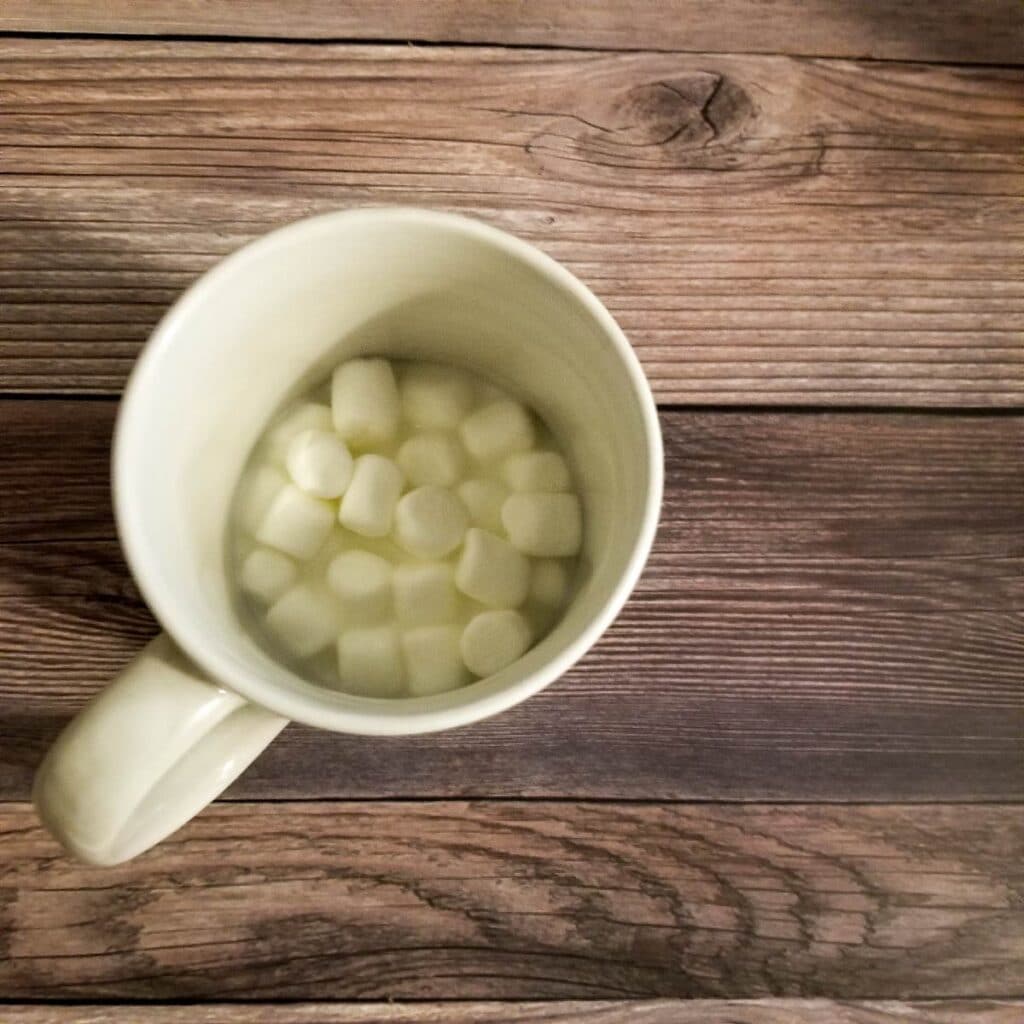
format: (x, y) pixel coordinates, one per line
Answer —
(259, 487)
(536, 471)
(491, 571)
(433, 660)
(483, 499)
(267, 574)
(319, 463)
(362, 582)
(549, 582)
(497, 430)
(425, 594)
(430, 522)
(543, 525)
(370, 662)
(304, 620)
(369, 502)
(435, 397)
(364, 401)
(295, 523)
(431, 459)
(307, 416)
(493, 640)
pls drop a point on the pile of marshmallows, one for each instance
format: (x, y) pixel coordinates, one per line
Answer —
(452, 525)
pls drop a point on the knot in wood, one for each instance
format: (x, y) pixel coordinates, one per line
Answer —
(694, 110)
(691, 121)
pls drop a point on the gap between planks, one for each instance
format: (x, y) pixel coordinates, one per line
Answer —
(923, 30)
(695, 1011)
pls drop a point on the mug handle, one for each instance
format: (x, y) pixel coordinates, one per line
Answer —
(146, 755)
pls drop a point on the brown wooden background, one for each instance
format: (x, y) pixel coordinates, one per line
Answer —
(787, 785)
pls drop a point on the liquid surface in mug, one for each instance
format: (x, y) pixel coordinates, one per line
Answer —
(405, 529)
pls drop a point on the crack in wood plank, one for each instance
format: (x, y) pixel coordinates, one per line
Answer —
(942, 30)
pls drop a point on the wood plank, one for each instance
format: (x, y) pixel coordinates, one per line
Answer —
(766, 229)
(634, 1011)
(832, 611)
(527, 900)
(927, 30)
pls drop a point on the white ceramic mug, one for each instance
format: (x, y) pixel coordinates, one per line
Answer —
(200, 702)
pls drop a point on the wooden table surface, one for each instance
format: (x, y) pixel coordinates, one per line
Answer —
(787, 786)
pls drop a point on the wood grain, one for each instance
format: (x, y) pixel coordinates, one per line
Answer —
(832, 611)
(526, 900)
(937, 30)
(660, 1011)
(766, 229)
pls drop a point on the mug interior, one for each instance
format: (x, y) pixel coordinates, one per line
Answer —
(266, 324)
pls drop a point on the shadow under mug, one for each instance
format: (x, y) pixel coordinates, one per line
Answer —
(194, 709)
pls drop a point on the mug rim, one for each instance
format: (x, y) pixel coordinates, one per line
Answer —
(365, 716)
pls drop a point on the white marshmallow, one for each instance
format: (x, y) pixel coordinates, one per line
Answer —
(493, 640)
(364, 401)
(549, 582)
(295, 523)
(536, 471)
(430, 522)
(267, 574)
(431, 459)
(491, 571)
(259, 487)
(370, 662)
(433, 660)
(483, 499)
(435, 397)
(319, 463)
(362, 582)
(369, 502)
(543, 525)
(425, 594)
(304, 620)
(306, 416)
(497, 430)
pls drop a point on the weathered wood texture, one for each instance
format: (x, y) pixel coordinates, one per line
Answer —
(660, 1011)
(939, 30)
(526, 900)
(766, 229)
(832, 611)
